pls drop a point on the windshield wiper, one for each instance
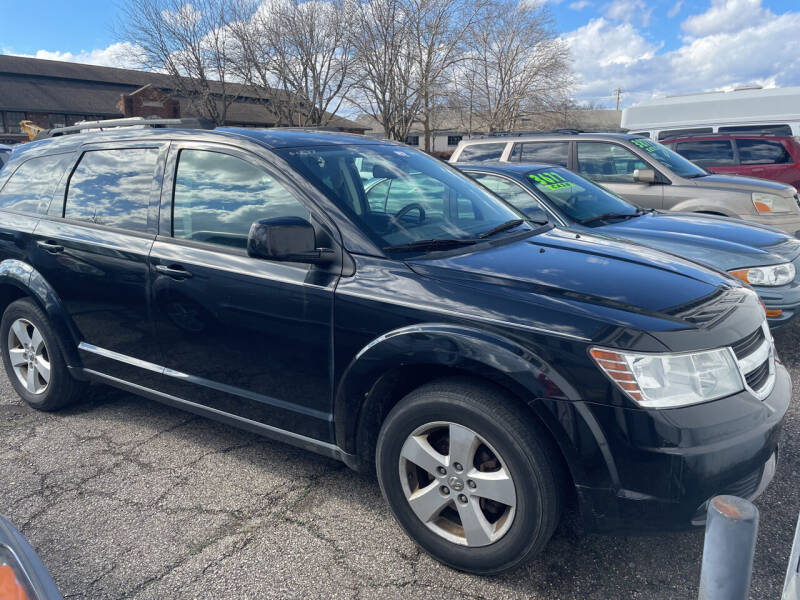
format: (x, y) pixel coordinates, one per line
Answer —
(502, 227)
(608, 216)
(696, 175)
(435, 244)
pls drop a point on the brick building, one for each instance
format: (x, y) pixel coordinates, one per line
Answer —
(54, 94)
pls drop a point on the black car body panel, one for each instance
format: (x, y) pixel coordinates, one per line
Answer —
(316, 354)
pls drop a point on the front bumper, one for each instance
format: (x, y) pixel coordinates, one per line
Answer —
(660, 468)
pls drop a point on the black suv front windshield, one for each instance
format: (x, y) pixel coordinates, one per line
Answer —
(672, 160)
(402, 198)
(576, 197)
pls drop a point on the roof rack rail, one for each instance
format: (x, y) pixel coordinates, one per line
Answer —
(185, 123)
(531, 132)
(722, 134)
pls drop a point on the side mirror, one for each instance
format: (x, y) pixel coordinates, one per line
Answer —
(644, 175)
(537, 214)
(289, 239)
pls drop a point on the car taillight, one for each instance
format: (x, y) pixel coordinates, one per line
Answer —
(10, 587)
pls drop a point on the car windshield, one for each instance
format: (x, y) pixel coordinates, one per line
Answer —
(401, 197)
(576, 197)
(672, 160)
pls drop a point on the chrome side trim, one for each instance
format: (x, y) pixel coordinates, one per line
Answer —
(129, 360)
(282, 435)
(461, 315)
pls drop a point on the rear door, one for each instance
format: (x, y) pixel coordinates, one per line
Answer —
(245, 336)
(767, 159)
(612, 166)
(93, 247)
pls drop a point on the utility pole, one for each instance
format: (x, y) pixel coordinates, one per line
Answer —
(619, 91)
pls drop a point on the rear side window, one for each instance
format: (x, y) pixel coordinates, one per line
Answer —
(551, 153)
(762, 152)
(773, 129)
(707, 153)
(219, 196)
(112, 188)
(32, 184)
(675, 133)
(479, 153)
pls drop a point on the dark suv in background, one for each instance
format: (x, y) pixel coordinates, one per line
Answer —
(491, 370)
(766, 156)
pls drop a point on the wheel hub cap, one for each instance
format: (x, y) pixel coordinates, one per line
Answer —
(28, 355)
(457, 484)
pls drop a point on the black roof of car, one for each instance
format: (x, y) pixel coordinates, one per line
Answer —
(279, 137)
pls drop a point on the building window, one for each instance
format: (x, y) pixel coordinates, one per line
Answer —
(412, 140)
(57, 120)
(12, 121)
(453, 140)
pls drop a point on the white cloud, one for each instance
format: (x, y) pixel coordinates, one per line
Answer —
(580, 5)
(121, 54)
(628, 11)
(727, 16)
(676, 8)
(607, 55)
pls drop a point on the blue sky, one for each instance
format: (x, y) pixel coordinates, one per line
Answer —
(647, 48)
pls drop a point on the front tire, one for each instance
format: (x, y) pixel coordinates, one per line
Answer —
(469, 475)
(33, 359)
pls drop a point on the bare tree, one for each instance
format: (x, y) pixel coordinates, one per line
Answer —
(438, 29)
(297, 55)
(386, 86)
(188, 41)
(515, 64)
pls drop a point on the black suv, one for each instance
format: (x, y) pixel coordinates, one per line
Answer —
(491, 369)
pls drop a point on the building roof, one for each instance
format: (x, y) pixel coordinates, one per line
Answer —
(50, 86)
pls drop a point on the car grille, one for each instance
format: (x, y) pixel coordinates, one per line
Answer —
(756, 359)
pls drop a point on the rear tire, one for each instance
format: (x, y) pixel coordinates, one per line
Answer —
(468, 516)
(33, 359)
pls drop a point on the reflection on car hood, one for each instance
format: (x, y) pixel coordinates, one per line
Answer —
(600, 270)
(717, 241)
(744, 183)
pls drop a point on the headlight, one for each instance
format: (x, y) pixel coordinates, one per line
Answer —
(771, 275)
(670, 380)
(771, 203)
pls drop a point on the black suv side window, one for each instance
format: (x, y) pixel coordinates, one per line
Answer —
(30, 188)
(551, 153)
(112, 187)
(762, 152)
(219, 196)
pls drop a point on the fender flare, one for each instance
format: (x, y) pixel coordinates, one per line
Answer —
(700, 205)
(23, 276)
(482, 353)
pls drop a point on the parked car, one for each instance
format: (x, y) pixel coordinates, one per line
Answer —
(489, 369)
(5, 153)
(766, 258)
(766, 156)
(22, 574)
(646, 174)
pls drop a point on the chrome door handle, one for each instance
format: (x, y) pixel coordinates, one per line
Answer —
(174, 271)
(50, 247)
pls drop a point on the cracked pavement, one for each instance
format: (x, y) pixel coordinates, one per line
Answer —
(125, 498)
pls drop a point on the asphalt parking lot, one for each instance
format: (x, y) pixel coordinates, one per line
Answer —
(126, 498)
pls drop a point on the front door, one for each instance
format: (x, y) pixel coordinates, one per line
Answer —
(612, 166)
(92, 248)
(245, 336)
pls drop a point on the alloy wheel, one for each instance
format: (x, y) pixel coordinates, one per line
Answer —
(29, 357)
(457, 484)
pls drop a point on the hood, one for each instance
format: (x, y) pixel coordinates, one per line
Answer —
(720, 242)
(564, 265)
(739, 182)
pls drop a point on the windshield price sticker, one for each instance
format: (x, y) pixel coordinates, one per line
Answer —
(550, 180)
(645, 145)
